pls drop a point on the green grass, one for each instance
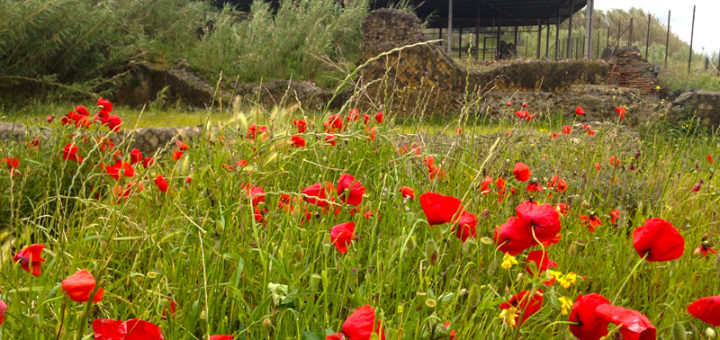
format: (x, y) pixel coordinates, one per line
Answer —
(200, 246)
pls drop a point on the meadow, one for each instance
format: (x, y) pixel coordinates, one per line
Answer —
(278, 223)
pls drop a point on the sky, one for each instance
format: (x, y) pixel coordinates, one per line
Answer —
(706, 16)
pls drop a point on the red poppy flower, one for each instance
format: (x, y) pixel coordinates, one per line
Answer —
(557, 182)
(466, 226)
(379, 117)
(372, 132)
(621, 111)
(659, 240)
(590, 222)
(697, 186)
(587, 323)
(512, 237)
(485, 185)
(590, 131)
(3, 308)
(315, 194)
(349, 190)
(500, 183)
(407, 192)
(562, 208)
(301, 125)
(706, 309)
(508, 104)
(521, 172)
(70, 153)
(540, 262)
(459, 131)
(614, 214)
(298, 141)
(220, 337)
(579, 111)
(114, 123)
(80, 285)
(597, 166)
(533, 187)
(31, 256)
(360, 325)
(353, 115)
(161, 183)
(634, 325)
(543, 219)
(566, 129)
(133, 329)
(709, 158)
(554, 135)
(521, 114)
(177, 154)
(255, 130)
(704, 249)
(50, 119)
(333, 124)
(148, 162)
(525, 304)
(614, 161)
(173, 309)
(438, 208)
(106, 105)
(341, 235)
(255, 194)
(331, 139)
(11, 162)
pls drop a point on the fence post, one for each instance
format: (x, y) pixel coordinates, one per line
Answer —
(539, 38)
(460, 42)
(589, 33)
(667, 39)
(647, 42)
(692, 33)
(630, 37)
(450, 17)
(570, 27)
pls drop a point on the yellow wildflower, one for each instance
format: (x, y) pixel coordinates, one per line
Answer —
(565, 305)
(509, 315)
(508, 261)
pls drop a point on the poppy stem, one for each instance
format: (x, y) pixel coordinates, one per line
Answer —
(627, 278)
(62, 317)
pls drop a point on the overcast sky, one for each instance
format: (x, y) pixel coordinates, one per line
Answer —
(707, 16)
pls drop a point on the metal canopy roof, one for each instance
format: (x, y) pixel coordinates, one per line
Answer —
(490, 13)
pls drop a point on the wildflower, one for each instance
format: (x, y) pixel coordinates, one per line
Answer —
(31, 256)
(512, 237)
(465, 226)
(297, 141)
(590, 222)
(341, 235)
(634, 325)
(542, 221)
(508, 104)
(579, 111)
(554, 135)
(360, 325)
(333, 124)
(533, 187)
(379, 117)
(525, 305)
(568, 280)
(558, 183)
(3, 308)
(70, 153)
(522, 114)
(509, 317)
(50, 119)
(704, 248)
(521, 172)
(658, 240)
(114, 123)
(597, 166)
(586, 322)
(255, 194)
(565, 305)
(315, 194)
(614, 214)
(80, 285)
(349, 190)
(621, 111)
(508, 261)
(133, 329)
(438, 208)
(709, 158)
(220, 337)
(161, 183)
(331, 139)
(706, 309)
(566, 129)
(538, 262)
(485, 185)
(11, 163)
(255, 130)
(148, 162)
(177, 154)
(562, 208)
(614, 161)
(135, 156)
(697, 186)
(173, 309)
(301, 125)
(407, 192)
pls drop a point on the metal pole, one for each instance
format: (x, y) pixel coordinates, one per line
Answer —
(484, 46)
(647, 42)
(460, 42)
(589, 33)
(539, 38)
(667, 39)
(526, 47)
(618, 39)
(570, 24)
(630, 37)
(692, 33)
(477, 38)
(547, 38)
(449, 41)
(597, 47)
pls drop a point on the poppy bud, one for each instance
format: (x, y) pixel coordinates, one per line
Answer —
(420, 298)
(267, 323)
(441, 331)
(710, 333)
(412, 243)
(430, 304)
(679, 332)
(474, 296)
(431, 253)
(315, 282)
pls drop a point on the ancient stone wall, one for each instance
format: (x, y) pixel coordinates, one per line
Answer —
(704, 105)
(628, 69)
